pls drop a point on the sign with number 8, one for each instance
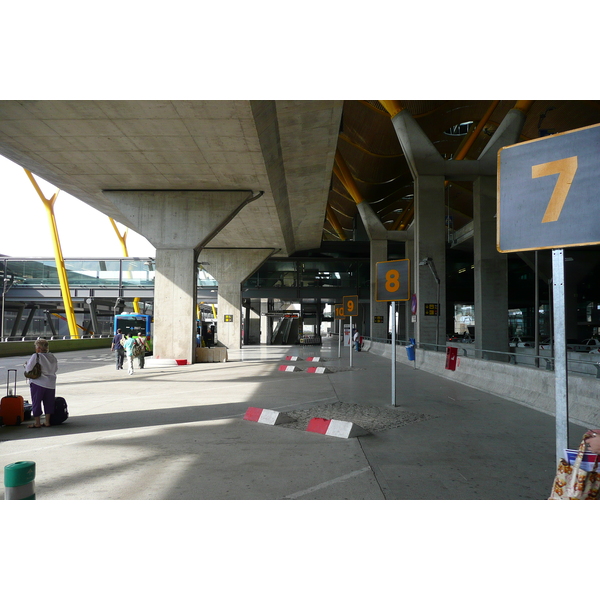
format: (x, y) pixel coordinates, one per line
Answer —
(393, 280)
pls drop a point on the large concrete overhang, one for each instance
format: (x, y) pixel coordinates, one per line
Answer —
(284, 148)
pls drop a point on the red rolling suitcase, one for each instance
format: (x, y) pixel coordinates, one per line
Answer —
(12, 407)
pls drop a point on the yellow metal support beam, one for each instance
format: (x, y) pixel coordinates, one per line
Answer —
(343, 173)
(475, 133)
(58, 256)
(123, 241)
(524, 105)
(332, 218)
(392, 106)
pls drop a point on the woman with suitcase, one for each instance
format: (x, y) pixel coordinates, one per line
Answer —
(43, 388)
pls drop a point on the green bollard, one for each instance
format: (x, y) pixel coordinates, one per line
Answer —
(19, 481)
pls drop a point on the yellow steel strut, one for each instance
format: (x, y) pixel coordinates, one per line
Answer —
(123, 241)
(58, 256)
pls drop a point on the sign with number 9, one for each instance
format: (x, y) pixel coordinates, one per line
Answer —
(351, 306)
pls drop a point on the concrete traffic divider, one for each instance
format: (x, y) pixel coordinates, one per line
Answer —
(266, 416)
(289, 369)
(165, 362)
(292, 358)
(343, 429)
(19, 481)
(319, 370)
(313, 358)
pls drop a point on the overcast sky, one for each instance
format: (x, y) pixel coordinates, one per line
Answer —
(83, 231)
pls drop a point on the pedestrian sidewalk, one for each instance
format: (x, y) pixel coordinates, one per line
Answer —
(178, 432)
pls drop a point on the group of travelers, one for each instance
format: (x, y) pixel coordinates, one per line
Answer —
(131, 347)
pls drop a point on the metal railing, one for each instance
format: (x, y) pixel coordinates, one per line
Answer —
(579, 366)
(32, 338)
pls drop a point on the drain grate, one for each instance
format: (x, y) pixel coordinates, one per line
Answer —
(370, 418)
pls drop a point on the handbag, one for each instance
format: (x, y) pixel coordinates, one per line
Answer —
(37, 369)
(574, 483)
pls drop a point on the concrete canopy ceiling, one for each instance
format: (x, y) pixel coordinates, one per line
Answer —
(369, 146)
(284, 148)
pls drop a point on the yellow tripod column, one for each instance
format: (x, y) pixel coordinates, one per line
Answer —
(58, 257)
(123, 240)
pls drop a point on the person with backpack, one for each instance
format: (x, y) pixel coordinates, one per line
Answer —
(139, 350)
(118, 346)
(128, 346)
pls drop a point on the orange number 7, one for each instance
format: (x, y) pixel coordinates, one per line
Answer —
(566, 168)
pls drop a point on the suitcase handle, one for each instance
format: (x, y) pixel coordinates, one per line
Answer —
(8, 382)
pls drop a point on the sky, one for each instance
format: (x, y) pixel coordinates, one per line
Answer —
(83, 231)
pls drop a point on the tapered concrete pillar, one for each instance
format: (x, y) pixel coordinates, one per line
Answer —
(491, 267)
(491, 271)
(230, 267)
(427, 167)
(178, 224)
(430, 243)
(175, 303)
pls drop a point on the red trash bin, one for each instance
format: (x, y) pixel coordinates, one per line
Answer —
(451, 357)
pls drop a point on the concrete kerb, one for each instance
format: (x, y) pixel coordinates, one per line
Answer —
(266, 416)
(332, 427)
(341, 429)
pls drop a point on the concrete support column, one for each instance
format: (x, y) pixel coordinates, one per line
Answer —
(265, 326)
(378, 237)
(409, 252)
(178, 224)
(379, 253)
(230, 267)
(175, 303)
(491, 271)
(430, 242)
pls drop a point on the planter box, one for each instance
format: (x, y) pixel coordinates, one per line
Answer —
(211, 354)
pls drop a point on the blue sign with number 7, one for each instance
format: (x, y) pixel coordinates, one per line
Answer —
(548, 192)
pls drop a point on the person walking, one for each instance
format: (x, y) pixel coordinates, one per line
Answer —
(141, 345)
(43, 388)
(118, 346)
(128, 346)
(356, 339)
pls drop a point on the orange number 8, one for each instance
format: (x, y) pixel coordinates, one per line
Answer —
(392, 280)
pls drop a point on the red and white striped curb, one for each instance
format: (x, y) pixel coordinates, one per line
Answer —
(343, 429)
(289, 369)
(266, 416)
(165, 362)
(292, 358)
(319, 370)
(313, 358)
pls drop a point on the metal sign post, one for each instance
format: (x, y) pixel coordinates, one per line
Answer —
(339, 317)
(547, 199)
(392, 285)
(351, 341)
(393, 353)
(350, 308)
(560, 353)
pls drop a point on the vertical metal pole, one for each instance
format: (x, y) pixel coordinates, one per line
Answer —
(536, 328)
(351, 342)
(393, 353)
(340, 334)
(3, 294)
(560, 353)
